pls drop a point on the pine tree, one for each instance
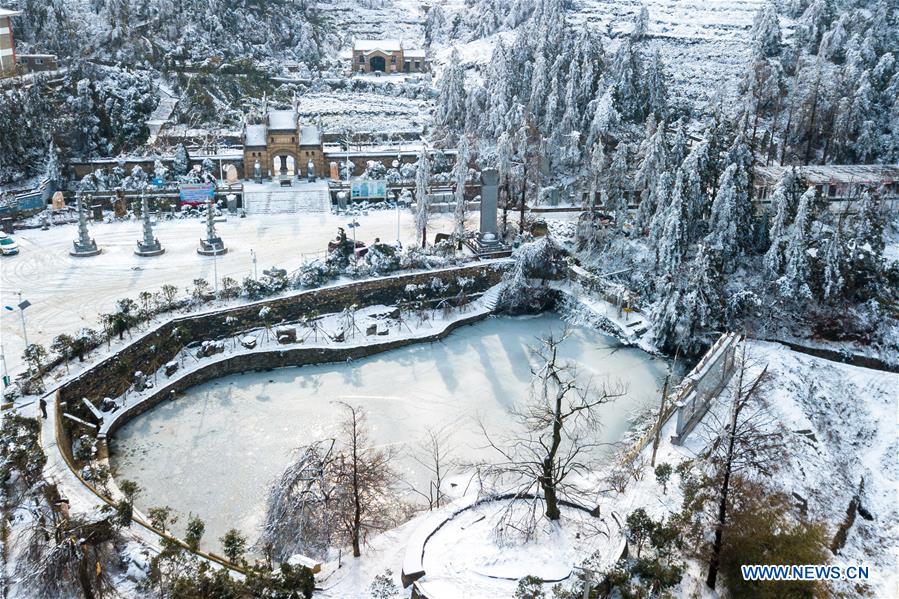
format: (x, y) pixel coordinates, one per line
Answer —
(665, 314)
(867, 245)
(597, 173)
(766, 39)
(654, 86)
(661, 198)
(422, 196)
(701, 300)
(673, 241)
(695, 176)
(605, 117)
(616, 186)
(833, 267)
(723, 224)
(52, 174)
(181, 161)
(451, 98)
(795, 282)
(678, 145)
(655, 158)
(641, 24)
(85, 120)
(779, 232)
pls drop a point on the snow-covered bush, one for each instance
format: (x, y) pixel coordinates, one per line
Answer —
(382, 258)
(524, 289)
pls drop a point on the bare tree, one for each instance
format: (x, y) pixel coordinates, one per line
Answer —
(365, 501)
(747, 440)
(436, 458)
(557, 427)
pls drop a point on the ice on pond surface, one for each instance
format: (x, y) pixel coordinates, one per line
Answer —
(215, 450)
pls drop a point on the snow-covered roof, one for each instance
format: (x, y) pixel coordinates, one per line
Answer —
(382, 45)
(416, 53)
(282, 120)
(5, 12)
(255, 135)
(310, 136)
(833, 173)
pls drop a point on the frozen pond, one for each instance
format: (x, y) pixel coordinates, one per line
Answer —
(215, 450)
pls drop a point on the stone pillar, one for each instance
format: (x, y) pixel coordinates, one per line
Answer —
(84, 246)
(149, 246)
(213, 244)
(489, 192)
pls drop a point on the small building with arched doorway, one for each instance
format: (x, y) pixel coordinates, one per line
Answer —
(387, 56)
(282, 146)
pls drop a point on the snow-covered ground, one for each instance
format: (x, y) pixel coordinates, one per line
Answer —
(69, 293)
(382, 113)
(840, 427)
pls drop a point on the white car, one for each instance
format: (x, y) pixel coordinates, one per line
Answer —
(8, 245)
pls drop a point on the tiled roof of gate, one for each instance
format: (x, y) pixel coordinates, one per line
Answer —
(310, 136)
(254, 135)
(282, 120)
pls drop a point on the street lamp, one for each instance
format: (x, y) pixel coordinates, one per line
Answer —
(21, 306)
(353, 225)
(398, 242)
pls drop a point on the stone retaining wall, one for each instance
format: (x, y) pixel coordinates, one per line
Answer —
(113, 376)
(261, 360)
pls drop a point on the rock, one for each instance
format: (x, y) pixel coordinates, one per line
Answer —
(286, 334)
(248, 342)
(210, 348)
(371, 329)
(383, 329)
(108, 405)
(339, 336)
(140, 381)
(171, 368)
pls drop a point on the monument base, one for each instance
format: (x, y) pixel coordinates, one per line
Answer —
(153, 249)
(85, 250)
(212, 247)
(487, 245)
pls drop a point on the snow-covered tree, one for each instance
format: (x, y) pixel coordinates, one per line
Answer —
(673, 240)
(795, 282)
(52, 174)
(605, 117)
(866, 247)
(451, 97)
(616, 186)
(833, 267)
(653, 164)
(597, 172)
(766, 39)
(654, 86)
(701, 301)
(180, 161)
(665, 313)
(783, 207)
(422, 195)
(641, 24)
(679, 145)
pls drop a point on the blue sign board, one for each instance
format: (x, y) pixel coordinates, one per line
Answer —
(197, 193)
(368, 188)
